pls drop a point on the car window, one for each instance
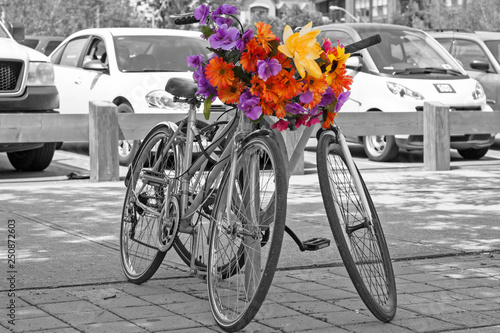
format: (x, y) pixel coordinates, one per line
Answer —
(31, 43)
(494, 47)
(72, 52)
(96, 51)
(51, 46)
(157, 53)
(467, 51)
(343, 37)
(406, 49)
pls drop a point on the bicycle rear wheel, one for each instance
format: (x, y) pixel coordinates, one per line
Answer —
(361, 244)
(148, 225)
(254, 222)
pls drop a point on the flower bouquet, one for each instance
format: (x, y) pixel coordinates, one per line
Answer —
(299, 81)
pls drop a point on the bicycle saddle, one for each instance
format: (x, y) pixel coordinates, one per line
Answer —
(181, 87)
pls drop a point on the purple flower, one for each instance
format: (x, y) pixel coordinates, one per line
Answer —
(195, 60)
(201, 13)
(242, 42)
(204, 86)
(220, 20)
(314, 111)
(267, 68)
(343, 97)
(306, 97)
(327, 97)
(294, 108)
(254, 112)
(247, 100)
(224, 38)
(226, 9)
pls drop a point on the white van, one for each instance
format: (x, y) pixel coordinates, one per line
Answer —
(406, 69)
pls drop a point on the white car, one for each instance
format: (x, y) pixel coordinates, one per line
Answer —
(121, 65)
(406, 69)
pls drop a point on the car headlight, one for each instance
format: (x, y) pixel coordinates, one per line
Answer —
(40, 74)
(402, 91)
(164, 100)
(478, 92)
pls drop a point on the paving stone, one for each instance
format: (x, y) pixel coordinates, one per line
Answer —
(376, 327)
(197, 306)
(427, 324)
(274, 310)
(299, 323)
(139, 312)
(34, 297)
(288, 297)
(30, 312)
(112, 327)
(314, 307)
(342, 318)
(37, 324)
(165, 323)
(440, 296)
(469, 318)
(169, 298)
(480, 292)
(88, 317)
(422, 277)
(432, 308)
(329, 294)
(477, 305)
(70, 307)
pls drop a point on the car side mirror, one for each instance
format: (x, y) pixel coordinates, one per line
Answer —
(354, 63)
(95, 65)
(16, 29)
(480, 65)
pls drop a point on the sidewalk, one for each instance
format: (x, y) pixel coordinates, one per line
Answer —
(441, 227)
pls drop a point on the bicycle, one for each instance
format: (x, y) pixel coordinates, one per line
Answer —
(242, 222)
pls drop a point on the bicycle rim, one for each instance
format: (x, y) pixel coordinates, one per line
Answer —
(140, 238)
(361, 244)
(255, 223)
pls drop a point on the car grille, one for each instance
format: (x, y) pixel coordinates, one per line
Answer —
(10, 75)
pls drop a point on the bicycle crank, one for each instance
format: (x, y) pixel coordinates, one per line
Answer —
(168, 224)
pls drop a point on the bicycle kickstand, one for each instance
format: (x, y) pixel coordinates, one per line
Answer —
(313, 244)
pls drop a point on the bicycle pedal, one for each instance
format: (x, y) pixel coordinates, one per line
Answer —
(154, 178)
(315, 244)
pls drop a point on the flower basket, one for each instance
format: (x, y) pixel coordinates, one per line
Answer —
(297, 80)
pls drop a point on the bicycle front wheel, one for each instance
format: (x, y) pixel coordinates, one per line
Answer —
(249, 214)
(361, 242)
(148, 224)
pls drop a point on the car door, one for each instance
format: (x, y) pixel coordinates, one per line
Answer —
(466, 51)
(69, 75)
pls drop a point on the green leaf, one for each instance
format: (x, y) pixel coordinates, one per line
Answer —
(274, 44)
(207, 31)
(241, 74)
(207, 106)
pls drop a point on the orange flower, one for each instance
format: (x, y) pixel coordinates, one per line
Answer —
(270, 109)
(219, 73)
(264, 35)
(231, 94)
(287, 86)
(251, 55)
(339, 80)
(264, 89)
(328, 121)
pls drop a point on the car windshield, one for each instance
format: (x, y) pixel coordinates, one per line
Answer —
(494, 46)
(3, 32)
(157, 53)
(408, 52)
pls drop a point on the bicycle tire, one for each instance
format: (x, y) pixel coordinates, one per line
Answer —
(139, 244)
(363, 249)
(236, 297)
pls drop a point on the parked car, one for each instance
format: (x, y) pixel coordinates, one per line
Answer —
(44, 44)
(402, 72)
(26, 86)
(121, 65)
(479, 54)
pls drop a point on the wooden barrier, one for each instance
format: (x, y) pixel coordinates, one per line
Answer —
(85, 127)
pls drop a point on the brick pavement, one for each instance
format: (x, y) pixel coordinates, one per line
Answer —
(452, 294)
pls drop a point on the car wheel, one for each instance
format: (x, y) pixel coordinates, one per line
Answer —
(473, 154)
(127, 148)
(380, 148)
(34, 159)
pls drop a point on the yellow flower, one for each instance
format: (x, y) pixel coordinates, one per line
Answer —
(303, 48)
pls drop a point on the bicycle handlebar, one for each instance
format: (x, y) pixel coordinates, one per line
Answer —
(182, 19)
(188, 18)
(362, 44)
